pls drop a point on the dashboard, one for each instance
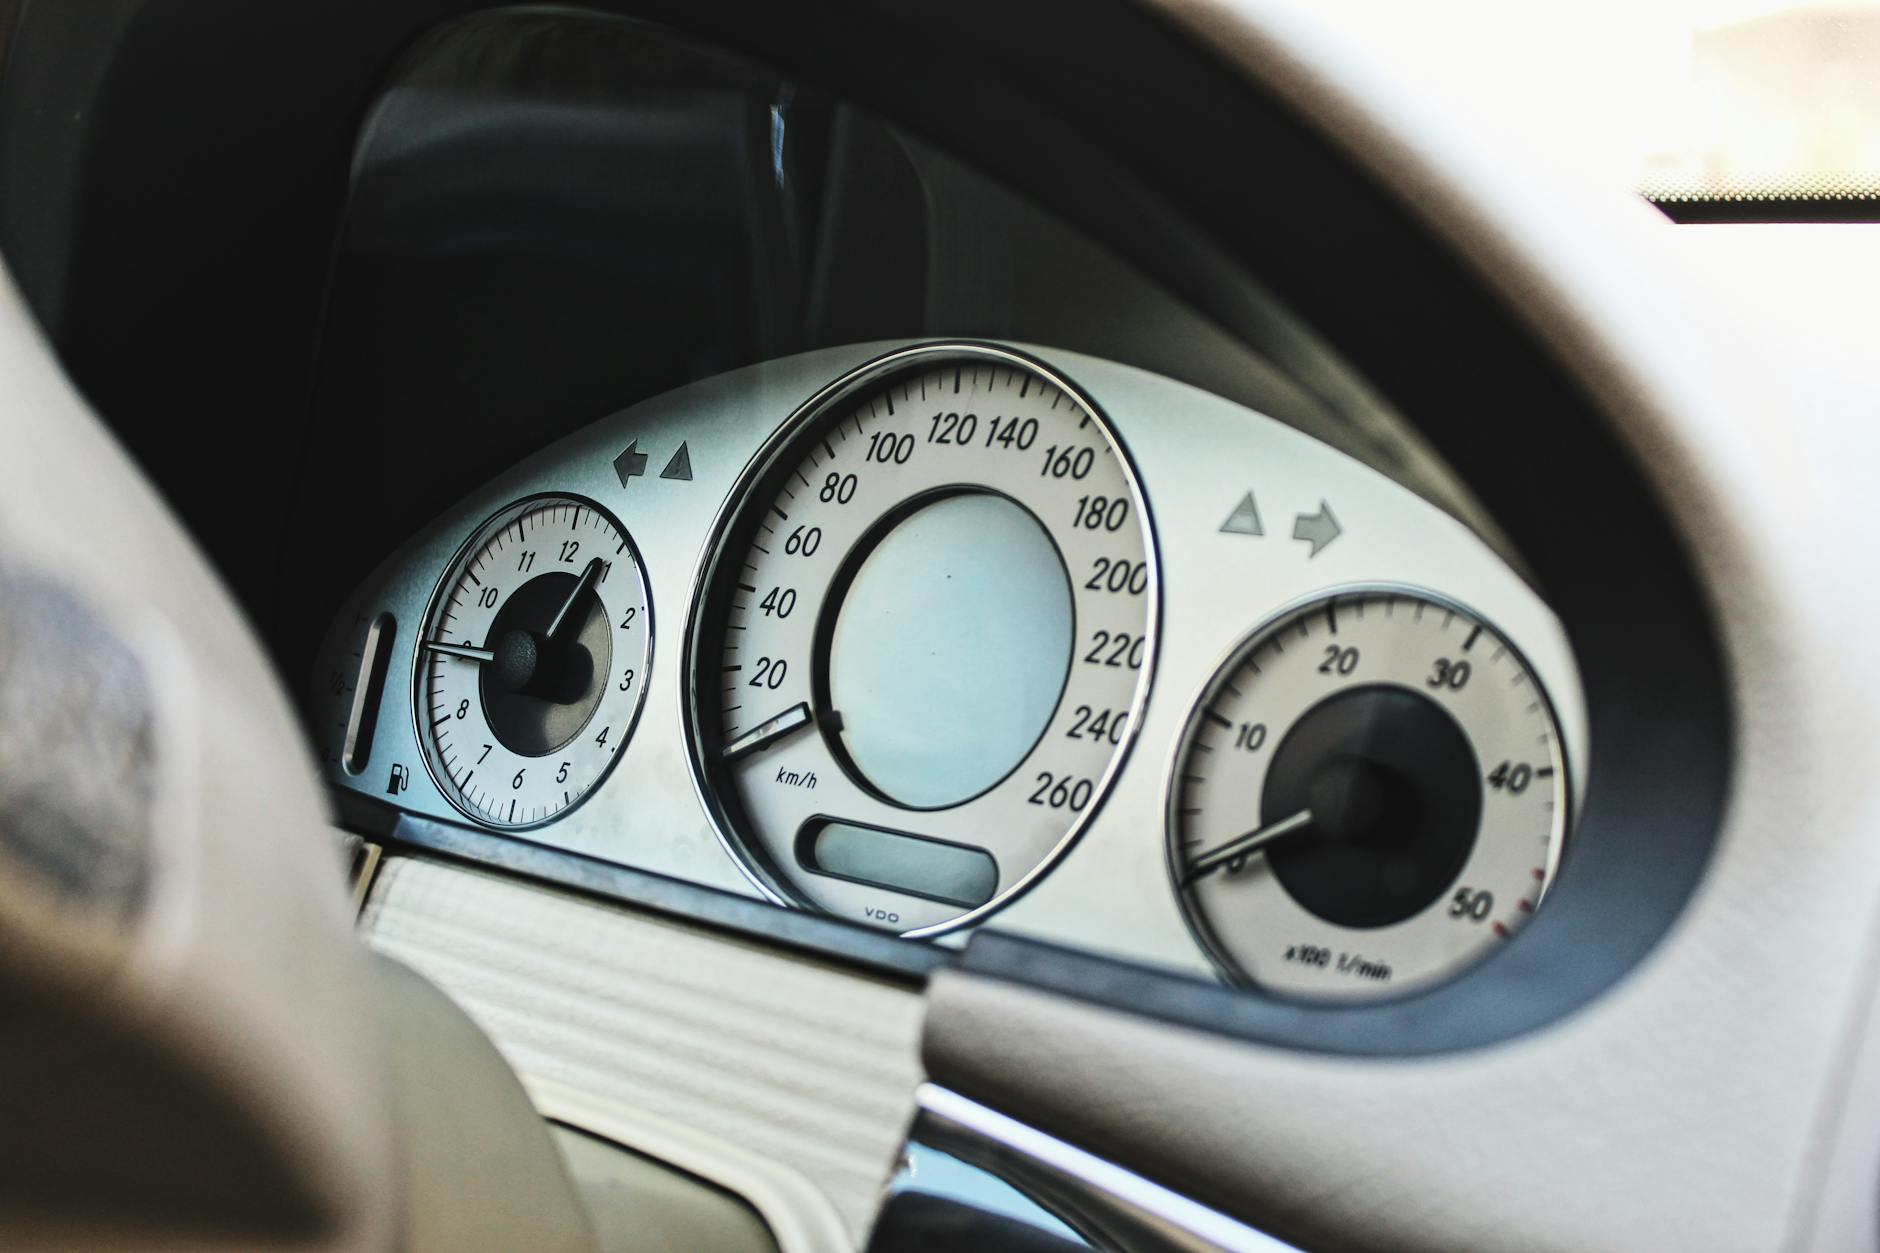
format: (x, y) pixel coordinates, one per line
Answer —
(870, 597)
(928, 636)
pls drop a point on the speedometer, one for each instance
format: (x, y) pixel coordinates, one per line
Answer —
(923, 639)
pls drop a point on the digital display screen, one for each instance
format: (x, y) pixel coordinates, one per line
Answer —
(898, 862)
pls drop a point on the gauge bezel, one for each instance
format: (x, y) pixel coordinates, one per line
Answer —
(1230, 970)
(453, 570)
(734, 526)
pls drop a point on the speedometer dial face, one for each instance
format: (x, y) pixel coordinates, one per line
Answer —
(923, 641)
(533, 661)
(1370, 796)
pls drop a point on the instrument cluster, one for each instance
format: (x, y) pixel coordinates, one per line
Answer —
(954, 634)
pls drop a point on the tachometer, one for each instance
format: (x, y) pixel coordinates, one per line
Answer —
(1370, 795)
(533, 660)
(923, 639)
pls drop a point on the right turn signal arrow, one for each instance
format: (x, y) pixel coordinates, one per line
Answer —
(1317, 529)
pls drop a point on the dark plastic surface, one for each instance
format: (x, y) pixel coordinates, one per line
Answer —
(1768, 209)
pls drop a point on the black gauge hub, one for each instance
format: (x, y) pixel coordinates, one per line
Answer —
(538, 696)
(1396, 802)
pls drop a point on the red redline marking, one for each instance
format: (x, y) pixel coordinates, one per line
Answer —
(1526, 907)
(1539, 874)
(1501, 931)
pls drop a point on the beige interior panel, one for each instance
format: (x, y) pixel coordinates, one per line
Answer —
(228, 991)
(797, 1215)
(802, 1063)
(639, 1205)
(463, 1121)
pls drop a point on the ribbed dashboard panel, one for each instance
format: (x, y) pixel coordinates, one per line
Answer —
(796, 1060)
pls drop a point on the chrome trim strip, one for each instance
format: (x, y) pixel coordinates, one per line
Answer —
(1120, 1209)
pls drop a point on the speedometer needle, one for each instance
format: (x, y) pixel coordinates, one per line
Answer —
(565, 616)
(1241, 845)
(768, 732)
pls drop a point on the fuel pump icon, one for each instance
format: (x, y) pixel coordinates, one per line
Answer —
(400, 780)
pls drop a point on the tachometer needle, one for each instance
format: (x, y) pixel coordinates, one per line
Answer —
(1241, 845)
(565, 616)
(769, 732)
(459, 650)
